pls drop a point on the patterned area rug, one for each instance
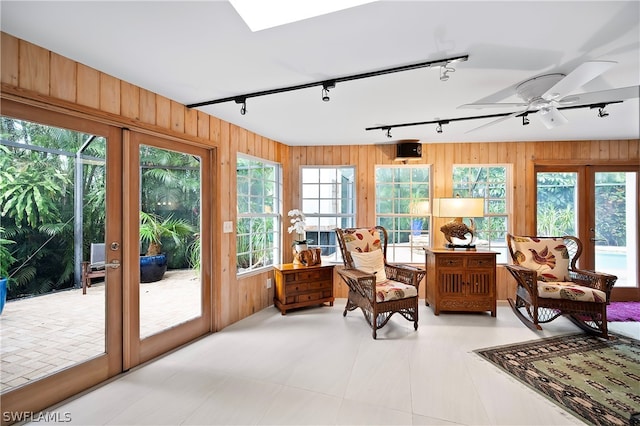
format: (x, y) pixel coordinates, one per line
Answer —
(623, 311)
(596, 380)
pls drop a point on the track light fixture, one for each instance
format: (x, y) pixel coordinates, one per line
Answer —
(602, 113)
(329, 84)
(243, 107)
(525, 120)
(325, 89)
(388, 129)
(445, 70)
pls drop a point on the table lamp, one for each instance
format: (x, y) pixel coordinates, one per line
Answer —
(456, 208)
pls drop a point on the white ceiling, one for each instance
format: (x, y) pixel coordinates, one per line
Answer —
(198, 51)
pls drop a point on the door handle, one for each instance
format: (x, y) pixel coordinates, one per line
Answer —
(115, 264)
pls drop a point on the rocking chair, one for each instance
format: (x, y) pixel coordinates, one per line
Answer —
(376, 287)
(550, 285)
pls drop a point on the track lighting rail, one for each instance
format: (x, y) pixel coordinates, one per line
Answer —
(387, 127)
(331, 82)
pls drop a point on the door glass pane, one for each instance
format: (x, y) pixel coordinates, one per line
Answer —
(52, 199)
(170, 289)
(556, 203)
(616, 236)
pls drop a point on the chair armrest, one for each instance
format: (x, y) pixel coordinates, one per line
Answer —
(359, 281)
(405, 274)
(525, 277)
(598, 280)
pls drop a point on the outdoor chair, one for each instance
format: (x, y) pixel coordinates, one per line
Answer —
(550, 285)
(376, 287)
(95, 267)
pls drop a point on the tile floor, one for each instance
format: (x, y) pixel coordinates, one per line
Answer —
(313, 366)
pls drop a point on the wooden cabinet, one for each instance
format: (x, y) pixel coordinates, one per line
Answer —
(298, 286)
(463, 281)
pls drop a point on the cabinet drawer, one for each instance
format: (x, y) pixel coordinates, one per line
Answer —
(297, 288)
(481, 261)
(320, 285)
(315, 275)
(449, 262)
(307, 297)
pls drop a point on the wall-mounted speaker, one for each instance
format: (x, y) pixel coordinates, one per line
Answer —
(408, 150)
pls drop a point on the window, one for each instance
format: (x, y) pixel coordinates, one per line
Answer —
(328, 202)
(258, 227)
(402, 196)
(490, 183)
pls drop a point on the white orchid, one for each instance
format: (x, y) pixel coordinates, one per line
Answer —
(297, 225)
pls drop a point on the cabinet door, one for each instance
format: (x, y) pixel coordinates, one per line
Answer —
(480, 283)
(451, 282)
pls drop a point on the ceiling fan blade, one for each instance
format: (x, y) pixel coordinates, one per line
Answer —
(584, 73)
(499, 120)
(551, 117)
(490, 105)
(602, 96)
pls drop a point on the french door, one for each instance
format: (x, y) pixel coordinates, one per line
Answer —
(68, 182)
(167, 295)
(599, 204)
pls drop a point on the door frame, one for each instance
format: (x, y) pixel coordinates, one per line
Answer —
(135, 350)
(48, 390)
(585, 171)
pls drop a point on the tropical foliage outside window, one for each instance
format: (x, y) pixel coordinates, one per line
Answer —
(258, 227)
(328, 202)
(489, 182)
(402, 194)
(556, 203)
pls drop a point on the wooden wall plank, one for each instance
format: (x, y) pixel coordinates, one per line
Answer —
(147, 107)
(9, 59)
(163, 112)
(34, 72)
(177, 117)
(130, 101)
(88, 86)
(63, 78)
(109, 94)
(190, 121)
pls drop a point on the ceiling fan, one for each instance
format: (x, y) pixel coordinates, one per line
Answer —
(547, 93)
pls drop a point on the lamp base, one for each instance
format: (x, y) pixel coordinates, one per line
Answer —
(451, 246)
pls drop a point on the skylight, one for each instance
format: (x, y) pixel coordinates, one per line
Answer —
(263, 14)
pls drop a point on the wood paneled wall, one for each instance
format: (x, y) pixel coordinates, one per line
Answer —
(34, 75)
(519, 156)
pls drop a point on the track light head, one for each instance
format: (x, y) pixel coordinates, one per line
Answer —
(439, 128)
(325, 89)
(602, 113)
(525, 120)
(388, 129)
(243, 107)
(445, 70)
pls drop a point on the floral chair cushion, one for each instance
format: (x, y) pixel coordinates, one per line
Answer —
(393, 290)
(547, 256)
(371, 262)
(570, 291)
(362, 240)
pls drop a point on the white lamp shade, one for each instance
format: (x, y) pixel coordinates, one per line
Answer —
(458, 207)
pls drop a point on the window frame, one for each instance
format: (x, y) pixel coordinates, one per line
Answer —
(498, 245)
(418, 239)
(276, 233)
(334, 257)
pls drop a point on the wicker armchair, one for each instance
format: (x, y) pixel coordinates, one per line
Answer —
(376, 287)
(549, 284)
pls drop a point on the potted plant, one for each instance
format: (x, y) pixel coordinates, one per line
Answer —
(153, 264)
(298, 225)
(6, 259)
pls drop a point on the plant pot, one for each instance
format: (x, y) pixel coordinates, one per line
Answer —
(3, 293)
(152, 268)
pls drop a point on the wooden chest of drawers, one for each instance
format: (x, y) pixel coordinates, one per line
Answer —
(298, 286)
(461, 280)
